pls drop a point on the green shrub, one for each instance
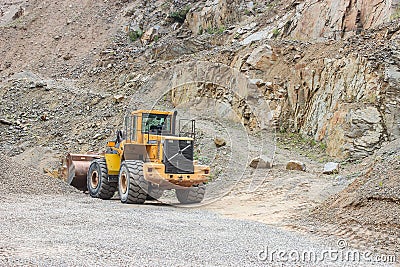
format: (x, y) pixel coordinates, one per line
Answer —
(134, 35)
(396, 14)
(221, 29)
(180, 15)
(304, 145)
(275, 33)
(211, 30)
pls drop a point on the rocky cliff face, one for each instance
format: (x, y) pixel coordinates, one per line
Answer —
(337, 19)
(346, 113)
(332, 92)
(328, 69)
(344, 93)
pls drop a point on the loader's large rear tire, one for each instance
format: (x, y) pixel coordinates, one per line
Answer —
(97, 180)
(191, 195)
(132, 186)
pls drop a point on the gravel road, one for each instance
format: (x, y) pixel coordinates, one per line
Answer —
(76, 230)
(53, 225)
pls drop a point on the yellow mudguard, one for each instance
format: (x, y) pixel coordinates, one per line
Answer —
(113, 163)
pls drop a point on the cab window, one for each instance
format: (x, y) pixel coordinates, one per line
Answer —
(156, 123)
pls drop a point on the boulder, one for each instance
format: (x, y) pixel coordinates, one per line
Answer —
(262, 58)
(119, 98)
(261, 162)
(40, 84)
(219, 142)
(258, 82)
(149, 35)
(331, 168)
(296, 165)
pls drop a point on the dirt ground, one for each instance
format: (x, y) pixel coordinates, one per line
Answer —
(282, 196)
(360, 204)
(55, 225)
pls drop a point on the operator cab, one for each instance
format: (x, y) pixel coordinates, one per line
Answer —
(148, 126)
(157, 124)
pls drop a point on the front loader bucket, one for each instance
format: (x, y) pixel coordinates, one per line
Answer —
(77, 168)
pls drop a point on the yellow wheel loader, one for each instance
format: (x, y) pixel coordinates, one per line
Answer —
(146, 158)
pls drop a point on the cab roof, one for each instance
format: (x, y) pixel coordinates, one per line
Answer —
(152, 111)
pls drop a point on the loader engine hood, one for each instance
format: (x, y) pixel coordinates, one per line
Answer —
(178, 155)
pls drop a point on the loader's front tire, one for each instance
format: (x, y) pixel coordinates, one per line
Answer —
(191, 195)
(154, 193)
(132, 186)
(97, 180)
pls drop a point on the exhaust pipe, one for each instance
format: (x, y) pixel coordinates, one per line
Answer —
(173, 127)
